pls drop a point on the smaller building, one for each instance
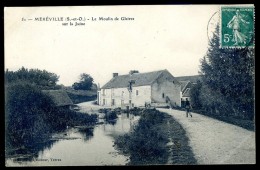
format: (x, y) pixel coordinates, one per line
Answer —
(185, 91)
(60, 98)
(187, 82)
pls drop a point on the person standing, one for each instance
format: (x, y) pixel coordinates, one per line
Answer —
(188, 107)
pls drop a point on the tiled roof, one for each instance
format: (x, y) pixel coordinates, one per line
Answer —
(141, 79)
(192, 79)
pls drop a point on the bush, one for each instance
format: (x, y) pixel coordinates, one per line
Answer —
(136, 111)
(31, 116)
(25, 109)
(145, 144)
(111, 115)
(60, 118)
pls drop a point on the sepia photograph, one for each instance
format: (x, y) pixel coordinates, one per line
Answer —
(129, 85)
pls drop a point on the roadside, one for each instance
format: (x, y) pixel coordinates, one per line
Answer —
(216, 142)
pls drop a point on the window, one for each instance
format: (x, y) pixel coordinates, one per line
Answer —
(130, 101)
(103, 91)
(104, 101)
(163, 95)
(137, 92)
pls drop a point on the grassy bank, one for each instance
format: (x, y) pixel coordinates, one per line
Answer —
(238, 121)
(157, 139)
(79, 96)
(244, 123)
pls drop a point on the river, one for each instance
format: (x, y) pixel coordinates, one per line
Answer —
(76, 147)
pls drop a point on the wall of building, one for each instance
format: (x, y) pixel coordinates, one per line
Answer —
(141, 95)
(166, 86)
(120, 97)
(99, 97)
(105, 97)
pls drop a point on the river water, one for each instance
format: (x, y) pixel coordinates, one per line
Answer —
(75, 147)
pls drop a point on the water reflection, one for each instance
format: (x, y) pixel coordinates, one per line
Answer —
(87, 133)
(21, 155)
(82, 146)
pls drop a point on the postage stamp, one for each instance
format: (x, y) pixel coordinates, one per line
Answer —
(237, 26)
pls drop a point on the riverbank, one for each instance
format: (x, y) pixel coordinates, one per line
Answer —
(81, 146)
(157, 140)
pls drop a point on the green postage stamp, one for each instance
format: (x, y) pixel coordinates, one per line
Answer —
(237, 26)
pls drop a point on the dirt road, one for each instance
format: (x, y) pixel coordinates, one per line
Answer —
(216, 142)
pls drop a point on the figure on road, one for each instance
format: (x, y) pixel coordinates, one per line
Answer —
(188, 107)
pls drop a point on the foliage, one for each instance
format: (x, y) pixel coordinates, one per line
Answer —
(194, 95)
(145, 144)
(42, 78)
(79, 96)
(31, 116)
(25, 108)
(76, 98)
(85, 83)
(156, 139)
(227, 81)
(111, 115)
(60, 118)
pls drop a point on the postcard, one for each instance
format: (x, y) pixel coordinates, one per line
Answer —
(129, 85)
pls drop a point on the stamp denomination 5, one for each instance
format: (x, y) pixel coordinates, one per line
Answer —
(237, 26)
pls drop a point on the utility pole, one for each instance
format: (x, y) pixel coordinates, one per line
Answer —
(130, 89)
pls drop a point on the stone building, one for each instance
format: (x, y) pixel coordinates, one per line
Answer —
(157, 88)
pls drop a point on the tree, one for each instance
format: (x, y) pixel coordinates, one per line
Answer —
(42, 78)
(85, 83)
(25, 109)
(194, 95)
(229, 76)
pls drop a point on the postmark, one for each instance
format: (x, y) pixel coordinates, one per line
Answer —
(237, 27)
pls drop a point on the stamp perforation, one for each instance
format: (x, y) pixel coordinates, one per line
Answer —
(220, 28)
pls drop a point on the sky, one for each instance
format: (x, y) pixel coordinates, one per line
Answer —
(160, 37)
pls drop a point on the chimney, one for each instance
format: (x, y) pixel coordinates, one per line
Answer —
(115, 75)
(131, 72)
